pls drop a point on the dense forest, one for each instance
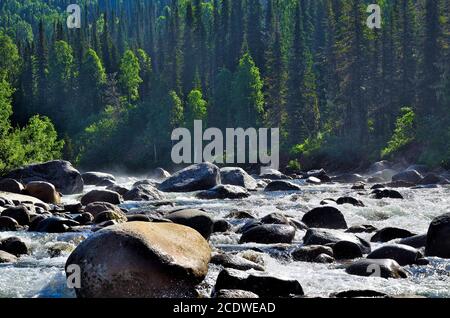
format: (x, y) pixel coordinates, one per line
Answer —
(109, 94)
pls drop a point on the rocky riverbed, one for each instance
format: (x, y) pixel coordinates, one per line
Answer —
(308, 234)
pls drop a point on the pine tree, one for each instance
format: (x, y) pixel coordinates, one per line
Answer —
(255, 32)
(129, 75)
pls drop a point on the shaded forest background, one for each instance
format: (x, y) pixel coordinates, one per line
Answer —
(109, 94)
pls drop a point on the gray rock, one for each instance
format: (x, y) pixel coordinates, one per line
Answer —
(385, 268)
(326, 236)
(196, 219)
(234, 294)
(94, 178)
(61, 174)
(11, 185)
(8, 224)
(438, 237)
(144, 193)
(110, 216)
(268, 234)
(310, 253)
(96, 208)
(221, 226)
(325, 217)
(14, 246)
(54, 225)
(84, 218)
(222, 191)
(18, 213)
(410, 176)
(402, 254)
(272, 174)
(348, 178)
(390, 233)
(238, 177)
(349, 200)
(141, 260)
(386, 193)
(432, 178)
(197, 177)
(343, 250)
(417, 241)
(282, 185)
(159, 174)
(235, 262)
(7, 258)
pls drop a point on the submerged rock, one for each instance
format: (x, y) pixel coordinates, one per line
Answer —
(325, 217)
(263, 286)
(203, 176)
(196, 219)
(282, 186)
(385, 268)
(61, 174)
(268, 234)
(101, 196)
(154, 260)
(222, 191)
(438, 237)
(238, 177)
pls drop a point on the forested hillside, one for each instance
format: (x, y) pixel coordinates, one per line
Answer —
(110, 93)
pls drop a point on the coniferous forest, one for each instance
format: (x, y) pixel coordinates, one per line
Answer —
(110, 93)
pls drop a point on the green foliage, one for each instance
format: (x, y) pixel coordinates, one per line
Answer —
(294, 165)
(129, 76)
(404, 133)
(196, 107)
(9, 58)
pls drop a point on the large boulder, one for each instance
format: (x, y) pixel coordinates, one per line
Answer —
(438, 237)
(224, 191)
(417, 241)
(432, 178)
(43, 191)
(11, 185)
(61, 174)
(327, 217)
(196, 219)
(282, 185)
(141, 259)
(402, 254)
(343, 250)
(96, 208)
(203, 176)
(326, 236)
(143, 193)
(101, 196)
(95, 178)
(390, 233)
(238, 177)
(385, 268)
(263, 286)
(410, 176)
(268, 234)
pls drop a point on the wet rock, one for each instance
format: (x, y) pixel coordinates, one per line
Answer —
(238, 177)
(348, 178)
(99, 207)
(422, 169)
(159, 174)
(8, 224)
(203, 176)
(54, 225)
(320, 174)
(438, 237)
(282, 186)
(416, 241)
(222, 191)
(61, 174)
(94, 178)
(349, 200)
(235, 262)
(221, 226)
(386, 193)
(35, 220)
(151, 260)
(402, 254)
(359, 186)
(268, 234)
(346, 250)
(235, 294)
(390, 233)
(144, 193)
(110, 216)
(375, 179)
(196, 219)
(410, 176)
(235, 214)
(380, 166)
(84, 218)
(18, 213)
(14, 246)
(44, 191)
(325, 217)
(272, 174)
(59, 248)
(310, 253)
(385, 268)
(276, 218)
(313, 180)
(7, 257)
(324, 237)
(359, 294)
(138, 218)
(361, 229)
(73, 208)
(11, 185)
(400, 184)
(324, 259)
(101, 196)
(106, 183)
(264, 286)
(432, 178)
(103, 225)
(117, 188)
(248, 225)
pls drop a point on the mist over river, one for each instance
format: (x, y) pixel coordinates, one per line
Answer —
(39, 275)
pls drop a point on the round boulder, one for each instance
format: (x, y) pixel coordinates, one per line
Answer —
(18, 213)
(268, 234)
(8, 224)
(44, 191)
(94, 178)
(151, 260)
(196, 219)
(346, 250)
(238, 177)
(14, 246)
(385, 268)
(438, 237)
(282, 185)
(327, 217)
(402, 254)
(101, 196)
(11, 185)
(224, 191)
(410, 176)
(203, 176)
(390, 233)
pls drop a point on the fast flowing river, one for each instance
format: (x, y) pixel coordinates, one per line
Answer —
(39, 275)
